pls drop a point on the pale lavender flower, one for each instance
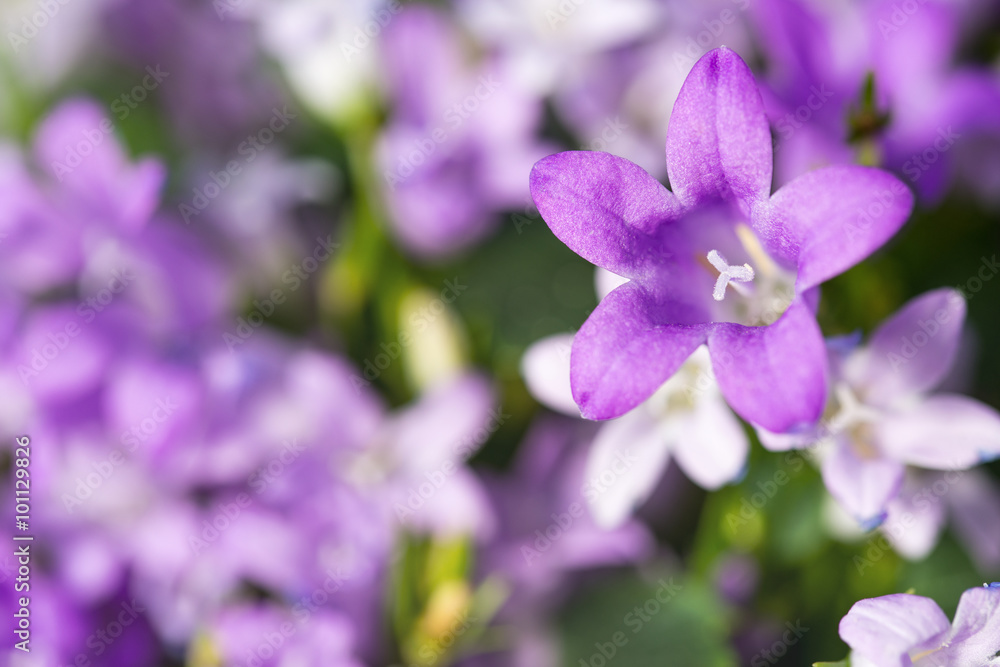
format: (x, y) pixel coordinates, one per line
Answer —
(550, 42)
(545, 537)
(882, 416)
(415, 465)
(906, 630)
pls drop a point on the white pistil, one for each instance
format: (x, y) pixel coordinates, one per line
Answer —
(728, 275)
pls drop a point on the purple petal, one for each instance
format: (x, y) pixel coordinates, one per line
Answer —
(421, 85)
(719, 142)
(105, 185)
(975, 503)
(796, 40)
(438, 210)
(910, 61)
(626, 349)
(447, 424)
(862, 486)
(885, 629)
(830, 219)
(41, 248)
(774, 376)
(148, 403)
(975, 634)
(912, 351)
(944, 432)
(459, 507)
(914, 519)
(59, 356)
(605, 208)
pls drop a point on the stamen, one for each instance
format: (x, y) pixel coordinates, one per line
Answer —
(756, 251)
(728, 275)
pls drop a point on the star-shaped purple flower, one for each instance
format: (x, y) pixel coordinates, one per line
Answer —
(720, 260)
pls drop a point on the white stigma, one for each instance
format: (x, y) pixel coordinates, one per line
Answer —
(728, 274)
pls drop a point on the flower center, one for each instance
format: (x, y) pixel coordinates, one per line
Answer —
(728, 275)
(855, 419)
(679, 394)
(765, 293)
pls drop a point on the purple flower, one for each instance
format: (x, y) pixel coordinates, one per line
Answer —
(911, 631)
(544, 532)
(460, 142)
(880, 418)
(820, 57)
(91, 196)
(270, 635)
(969, 499)
(718, 261)
(415, 468)
(209, 68)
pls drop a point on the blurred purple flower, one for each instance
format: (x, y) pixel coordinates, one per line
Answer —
(682, 252)
(545, 536)
(267, 634)
(544, 532)
(215, 86)
(620, 100)
(880, 418)
(906, 630)
(819, 59)
(87, 195)
(460, 141)
(415, 465)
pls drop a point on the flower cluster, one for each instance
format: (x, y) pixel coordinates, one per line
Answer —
(745, 326)
(289, 365)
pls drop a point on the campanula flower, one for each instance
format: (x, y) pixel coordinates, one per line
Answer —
(718, 260)
(880, 417)
(927, 107)
(903, 630)
(460, 141)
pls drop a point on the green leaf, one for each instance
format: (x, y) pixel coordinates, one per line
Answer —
(624, 621)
